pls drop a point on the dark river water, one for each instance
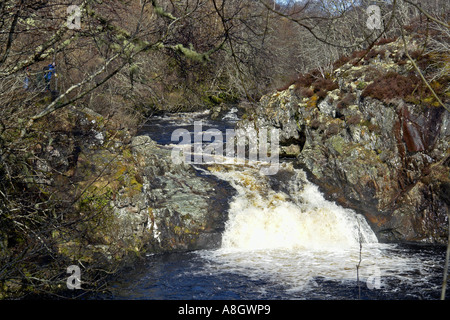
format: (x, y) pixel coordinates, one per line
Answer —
(309, 254)
(191, 276)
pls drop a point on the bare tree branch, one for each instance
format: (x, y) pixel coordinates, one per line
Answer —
(427, 14)
(421, 75)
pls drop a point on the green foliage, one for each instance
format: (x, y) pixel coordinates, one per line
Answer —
(361, 85)
(95, 200)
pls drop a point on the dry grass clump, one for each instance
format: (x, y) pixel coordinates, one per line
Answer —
(332, 129)
(348, 100)
(313, 85)
(391, 85)
(383, 41)
(354, 119)
(340, 62)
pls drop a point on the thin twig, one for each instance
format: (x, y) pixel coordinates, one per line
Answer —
(360, 259)
(447, 257)
(421, 75)
(427, 14)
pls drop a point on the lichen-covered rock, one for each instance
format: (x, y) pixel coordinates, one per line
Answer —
(386, 160)
(144, 200)
(130, 195)
(186, 210)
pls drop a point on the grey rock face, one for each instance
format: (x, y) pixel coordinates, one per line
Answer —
(184, 210)
(386, 161)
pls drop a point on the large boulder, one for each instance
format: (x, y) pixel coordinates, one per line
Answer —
(385, 159)
(129, 194)
(186, 210)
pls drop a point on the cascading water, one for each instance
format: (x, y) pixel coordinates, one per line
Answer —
(297, 218)
(289, 235)
(283, 240)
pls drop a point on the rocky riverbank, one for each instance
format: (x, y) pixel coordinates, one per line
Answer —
(107, 197)
(184, 210)
(369, 141)
(155, 205)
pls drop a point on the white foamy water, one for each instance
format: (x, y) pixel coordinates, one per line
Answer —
(294, 236)
(298, 217)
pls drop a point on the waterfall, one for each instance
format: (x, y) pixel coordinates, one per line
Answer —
(283, 240)
(294, 215)
(281, 228)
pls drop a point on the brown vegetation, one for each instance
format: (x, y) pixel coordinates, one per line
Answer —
(133, 58)
(391, 85)
(348, 100)
(385, 41)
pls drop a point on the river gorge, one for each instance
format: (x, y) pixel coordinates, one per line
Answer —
(200, 150)
(282, 239)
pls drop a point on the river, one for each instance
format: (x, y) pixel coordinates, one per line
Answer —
(282, 240)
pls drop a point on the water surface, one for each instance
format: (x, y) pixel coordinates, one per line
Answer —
(282, 240)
